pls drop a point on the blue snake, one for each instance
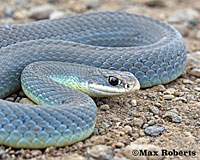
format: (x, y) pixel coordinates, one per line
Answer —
(108, 49)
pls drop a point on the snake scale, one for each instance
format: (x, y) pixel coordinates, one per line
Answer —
(150, 49)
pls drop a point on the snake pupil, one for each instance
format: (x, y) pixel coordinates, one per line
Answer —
(113, 81)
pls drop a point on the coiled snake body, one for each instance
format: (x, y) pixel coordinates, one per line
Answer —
(150, 49)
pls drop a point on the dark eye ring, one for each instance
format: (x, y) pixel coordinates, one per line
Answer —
(113, 81)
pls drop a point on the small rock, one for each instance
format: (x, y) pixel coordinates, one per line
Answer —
(187, 81)
(151, 95)
(156, 3)
(133, 152)
(193, 59)
(133, 103)
(154, 130)
(56, 15)
(157, 104)
(119, 144)
(77, 7)
(26, 101)
(198, 123)
(197, 88)
(170, 91)
(136, 135)
(2, 152)
(198, 80)
(53, 1)
(41, 12)
(160, 88)
(11, 99)
(191, 96)
(173, 116)
(49, 149)
(182, 28)
(92, 4)
(145, 125)
(101, 152)
(36, 152)
(198, 35)
(104, 107)
(128, 129)
(9, 11)
(142, 140)
(181, 99)
(151, 122)
(74, 156)
(154, 110)
(2, 15)
(168, 97)
(20, 14)
(184, 15)
(137, 122)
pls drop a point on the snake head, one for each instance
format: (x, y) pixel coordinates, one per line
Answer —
(112, 83)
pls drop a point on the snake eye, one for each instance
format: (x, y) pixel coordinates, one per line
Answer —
(113, 81)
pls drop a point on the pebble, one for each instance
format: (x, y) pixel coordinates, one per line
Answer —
(53, 1)
(168, 97)
(56, 15)
(181, 99)
(198, 35)
(197, 88)
(26, 101)
(128, 129)
(156, 3)
(193, 59)
(20, 14)
(2, 152)
(184, 15)
(119, 144)
(36, 152)
(182, 28)
(151, 122)
(133, 103)
(74, 156)
(154, 110)
(104, 107)
(137, 122)
(77, 6)
(198, 123)
(11, 99)
(173, 116)
(92, 4)
(195, 72)
(160, 88)
(101, 152)
(154, 130)
(151, 95)
(145, 125)
(187, 81)
(41, 12)
(170, 91)
(9, 11)
(157, 104)
(132, 152)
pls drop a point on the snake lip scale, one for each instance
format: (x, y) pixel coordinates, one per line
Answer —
(152, 50)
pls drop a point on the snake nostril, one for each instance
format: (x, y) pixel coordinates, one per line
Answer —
(126, 86)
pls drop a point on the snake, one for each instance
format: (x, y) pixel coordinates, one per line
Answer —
(114, 53)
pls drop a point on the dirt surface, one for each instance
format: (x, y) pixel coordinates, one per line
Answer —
(162, 117)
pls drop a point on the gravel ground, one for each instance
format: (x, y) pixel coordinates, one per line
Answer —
(162, 117)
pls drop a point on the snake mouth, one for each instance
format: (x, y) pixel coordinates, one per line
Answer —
(96, 90)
